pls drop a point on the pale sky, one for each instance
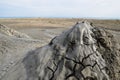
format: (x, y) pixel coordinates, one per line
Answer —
(61, 8)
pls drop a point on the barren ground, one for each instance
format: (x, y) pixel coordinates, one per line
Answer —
(41, 31)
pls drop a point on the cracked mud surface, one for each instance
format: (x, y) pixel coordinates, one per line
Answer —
(81, 53)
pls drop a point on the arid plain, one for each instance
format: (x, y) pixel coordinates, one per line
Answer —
(46, 28)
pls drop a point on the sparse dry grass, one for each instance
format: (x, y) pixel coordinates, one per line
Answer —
(56, 22)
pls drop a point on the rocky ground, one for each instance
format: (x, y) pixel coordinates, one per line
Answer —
(81, 52)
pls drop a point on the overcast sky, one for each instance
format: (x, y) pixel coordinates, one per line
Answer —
(60, 8)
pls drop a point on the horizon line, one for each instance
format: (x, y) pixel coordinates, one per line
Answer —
(101, 18)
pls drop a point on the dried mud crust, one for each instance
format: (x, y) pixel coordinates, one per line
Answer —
(107, 46)
(79, 60)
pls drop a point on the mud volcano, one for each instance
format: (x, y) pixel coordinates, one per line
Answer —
(83, 52)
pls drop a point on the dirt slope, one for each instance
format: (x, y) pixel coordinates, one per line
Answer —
(11, 32)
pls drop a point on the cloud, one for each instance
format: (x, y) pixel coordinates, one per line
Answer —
(60, 8)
